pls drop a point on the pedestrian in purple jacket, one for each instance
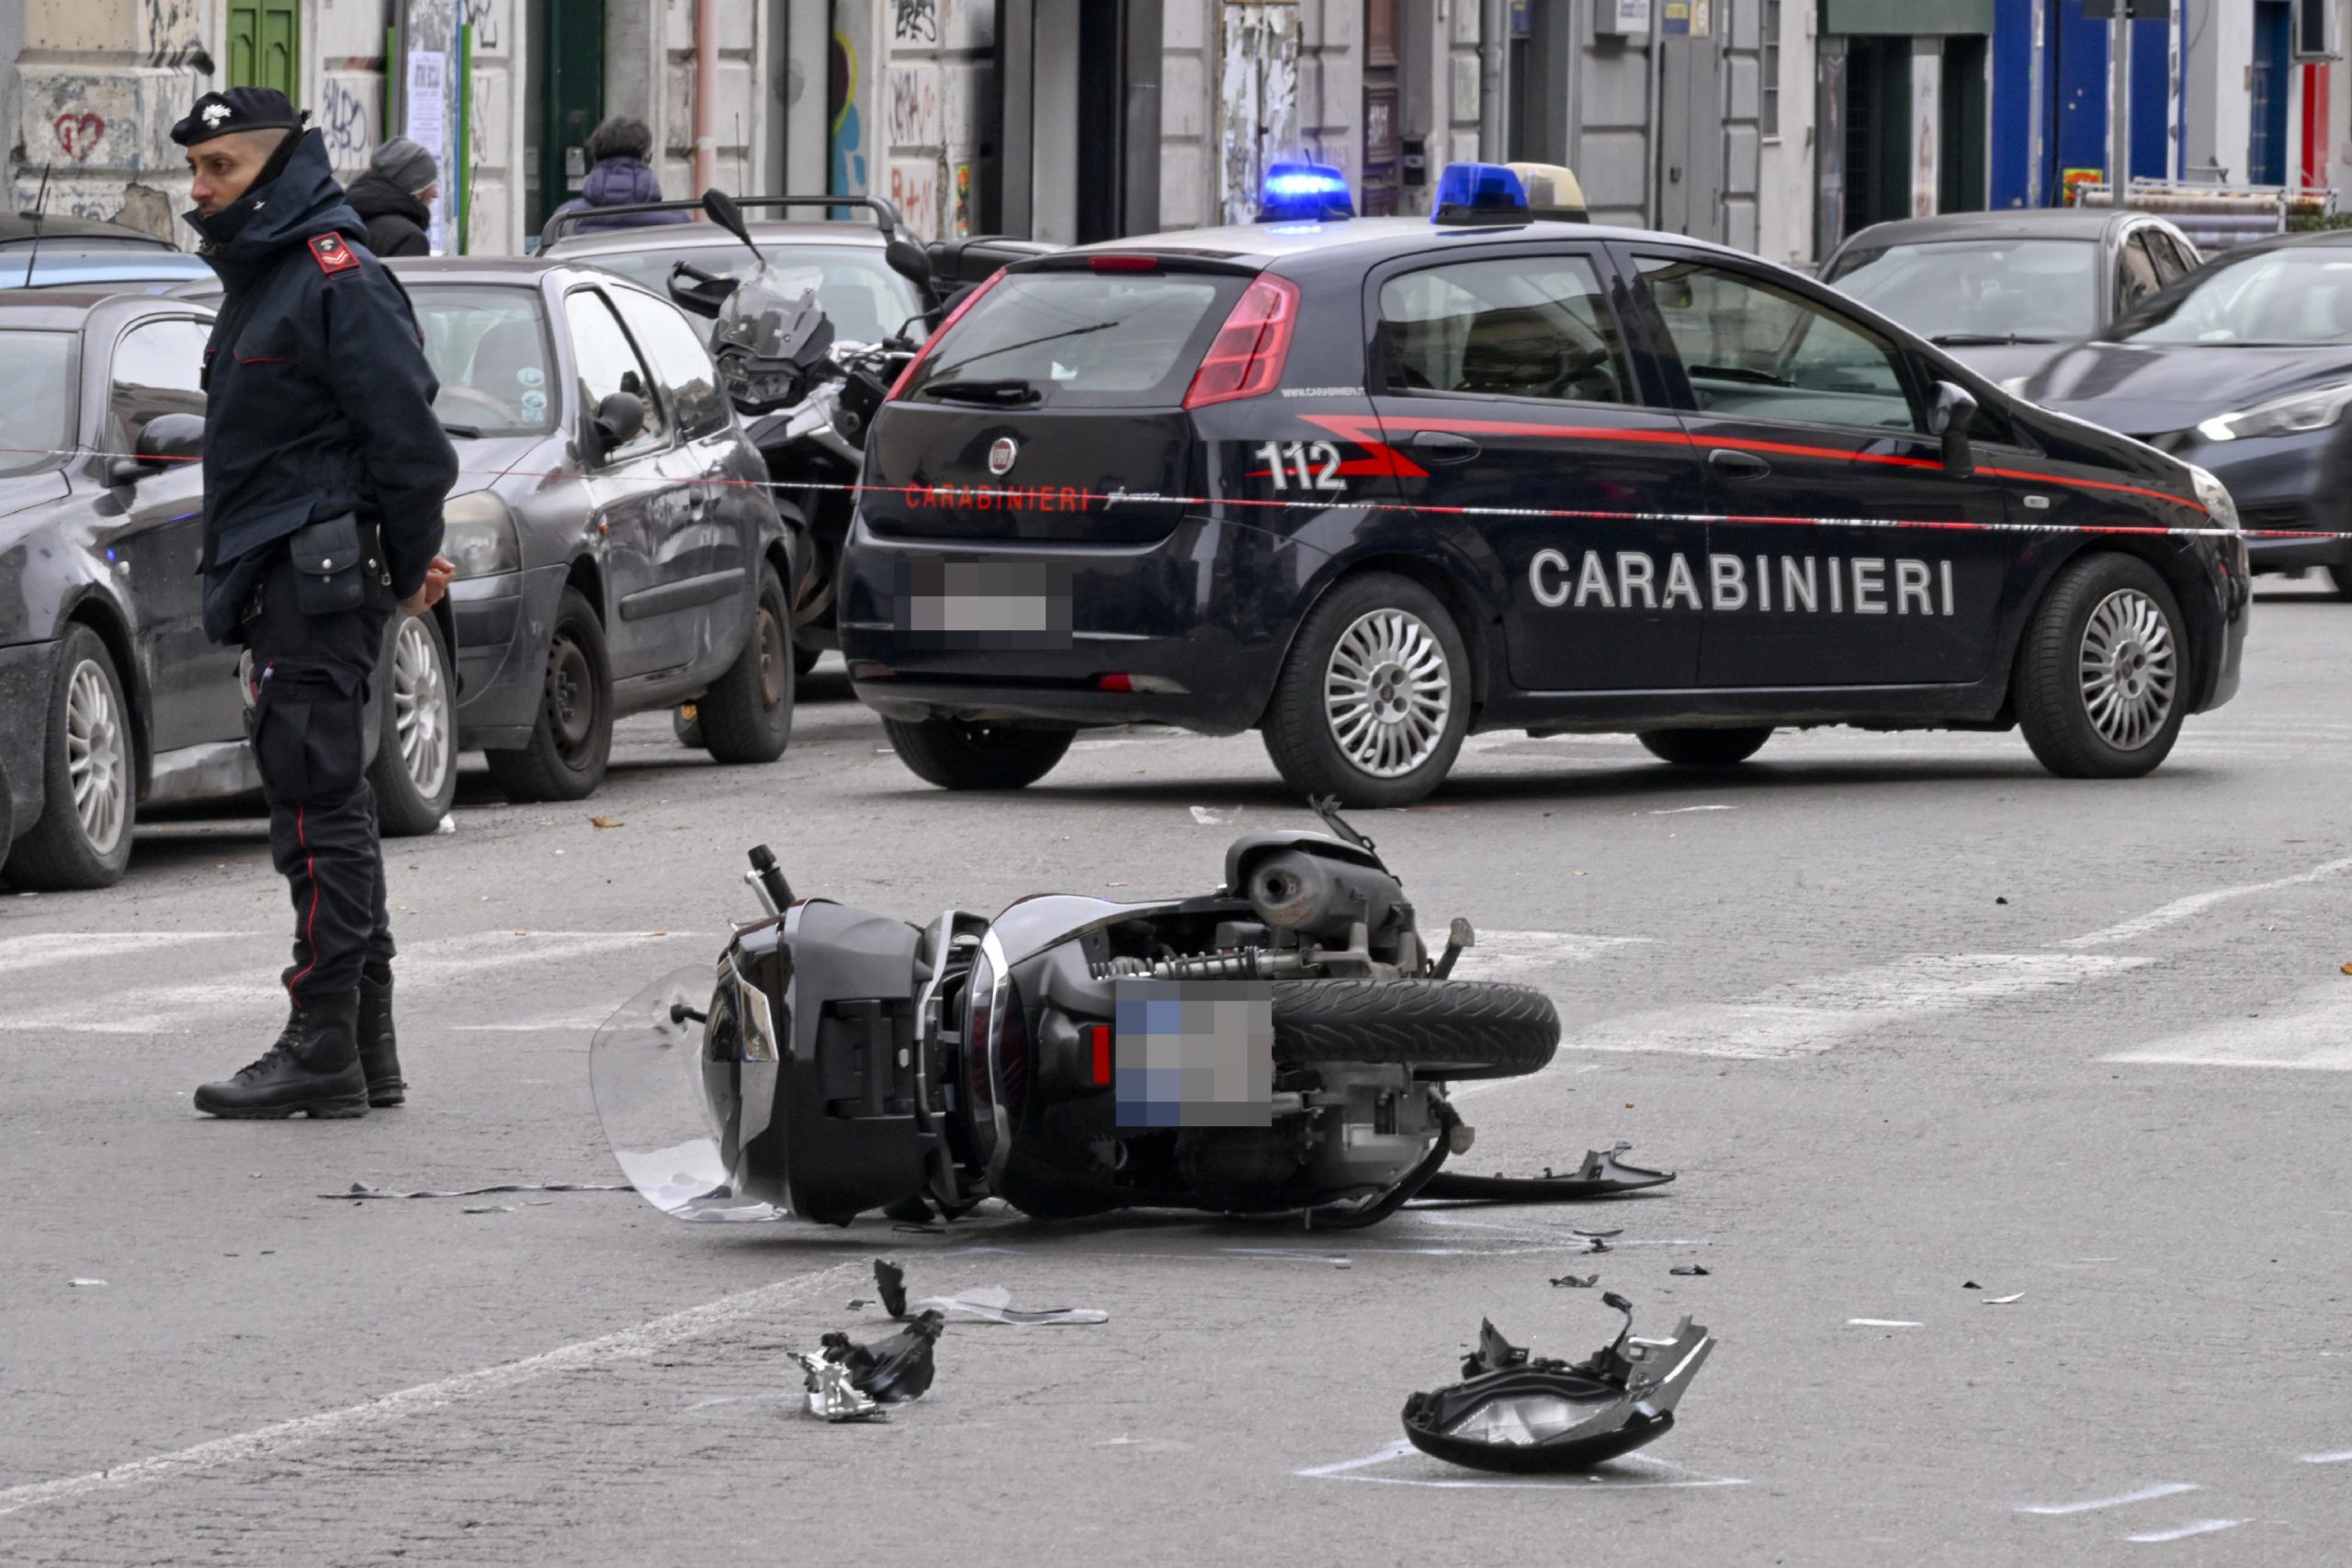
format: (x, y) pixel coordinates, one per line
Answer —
(622, 177)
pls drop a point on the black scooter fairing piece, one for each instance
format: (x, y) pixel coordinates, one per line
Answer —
(892, 1371)
(1602, 1175)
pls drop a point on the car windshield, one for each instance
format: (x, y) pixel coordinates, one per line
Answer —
(36, 417)
(1977, 291)
(2290, 296)
(859, 293)
(488, 348)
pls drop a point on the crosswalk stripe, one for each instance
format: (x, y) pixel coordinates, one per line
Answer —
(40, 950)
(1804, 1018)
(2313, 1035)
(1529, 958)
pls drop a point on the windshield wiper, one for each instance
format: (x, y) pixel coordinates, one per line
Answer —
(1740, 373)
(463, 432)
(966, 390)
(1982, 340)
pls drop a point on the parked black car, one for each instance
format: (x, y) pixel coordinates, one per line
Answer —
(110, 697)
(2001, 292)
(2246, 369)
(616, 550)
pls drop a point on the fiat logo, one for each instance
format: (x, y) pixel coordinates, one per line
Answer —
(1001, 454)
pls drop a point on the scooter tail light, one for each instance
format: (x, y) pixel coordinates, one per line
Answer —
(945, 327)
(1246, 358)
(1098, 1040)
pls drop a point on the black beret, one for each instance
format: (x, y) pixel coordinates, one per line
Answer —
(238, 108)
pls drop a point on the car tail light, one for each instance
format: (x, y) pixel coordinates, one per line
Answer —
(1246, 359)
(945, 327)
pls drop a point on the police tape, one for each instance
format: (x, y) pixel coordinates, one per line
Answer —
(966, 498)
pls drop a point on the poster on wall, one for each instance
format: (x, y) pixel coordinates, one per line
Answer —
(423, 105)
(1689, 18)
(1631, 17)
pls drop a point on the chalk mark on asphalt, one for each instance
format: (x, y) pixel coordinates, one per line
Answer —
(2202, 1526)
(647, 1338)
(2145, 1494)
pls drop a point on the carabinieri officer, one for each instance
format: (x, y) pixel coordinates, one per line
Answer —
(325, 471)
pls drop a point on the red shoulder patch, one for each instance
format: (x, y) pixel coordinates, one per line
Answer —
(333, 254)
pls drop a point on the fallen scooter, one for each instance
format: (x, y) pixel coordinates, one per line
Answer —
(1281, 1045)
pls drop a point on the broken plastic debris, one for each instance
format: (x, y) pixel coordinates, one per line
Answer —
(993, 1304)
(1969, 1285)
(891, 1281)
(489, 1209)
(1517, 1413)
(2000, 900)
(607, 822)
(1212, 815)
(449, 824)
(2003, 1300)
(86, 1281)
(849, 1381)
(361, 1189)
(1688, 1269)
(1573, 1283)
(1882, 1323)
(1600, 1174)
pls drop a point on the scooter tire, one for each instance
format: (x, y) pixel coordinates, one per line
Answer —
(1448, 1029)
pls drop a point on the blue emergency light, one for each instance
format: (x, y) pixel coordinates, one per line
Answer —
(1303, 193)
(1480, 193)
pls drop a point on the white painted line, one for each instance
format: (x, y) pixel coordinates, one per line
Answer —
(1349, 1469)
(1804, 1018)
(1680, 810)
(2338, 1458)
(284, 1437)
(1883, 1323)
(1529, 958)
(2145, 1494)
(2202, 1526)
(41, 949)
(2312, 1033)
(2196, 904)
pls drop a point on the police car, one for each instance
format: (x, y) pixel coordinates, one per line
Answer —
(1368, 485)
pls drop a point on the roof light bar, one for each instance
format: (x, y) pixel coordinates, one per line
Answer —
(1480, 193)
(1303, 193)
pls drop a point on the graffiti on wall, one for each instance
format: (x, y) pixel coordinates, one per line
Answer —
(78, 135)
(963, 225)
(1258, 100)
(483, 17)
(914, 107)
(915, 21)
(914, 191)
(343, 123)
(847, 139)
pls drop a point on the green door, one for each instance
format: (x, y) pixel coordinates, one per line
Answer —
(266, 45)
(568, 37)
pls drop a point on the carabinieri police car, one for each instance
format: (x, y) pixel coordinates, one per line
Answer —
(1369, 484)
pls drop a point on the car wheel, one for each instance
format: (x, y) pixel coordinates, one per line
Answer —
(573, 740)
(2102, 679)
(89, 797)
(954, 754)
(415, 773)
(746, 716)
(1704, 748)
(1373, 701)
(2342, 577)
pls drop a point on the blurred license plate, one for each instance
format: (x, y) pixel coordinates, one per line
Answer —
(1194, 1053)
(985, 604)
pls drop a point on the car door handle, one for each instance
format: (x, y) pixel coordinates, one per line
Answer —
(1442, 446)
(1737, 465)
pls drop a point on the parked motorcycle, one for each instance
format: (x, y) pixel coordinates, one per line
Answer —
(1282, 1044)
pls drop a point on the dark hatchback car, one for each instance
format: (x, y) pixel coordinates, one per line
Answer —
(112, 701)
(2003, 291)
(615, 546)
(2245, 368)
(1369, 485)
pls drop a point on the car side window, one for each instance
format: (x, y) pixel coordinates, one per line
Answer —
(2172, 258)
(608, 362)
(1526, 327)
(1753, 349)
(156, 370)
(680, 359)
(2140, 278)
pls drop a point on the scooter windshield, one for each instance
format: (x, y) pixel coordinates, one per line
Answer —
(646, 1070)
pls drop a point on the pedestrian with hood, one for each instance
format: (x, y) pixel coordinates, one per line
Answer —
(394, 199)
(325, 471)
(622, 177)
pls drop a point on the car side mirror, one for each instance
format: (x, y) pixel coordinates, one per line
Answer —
(909, 261)
(721, 208)
(167, 441)
(619, 419)
(1954, 407)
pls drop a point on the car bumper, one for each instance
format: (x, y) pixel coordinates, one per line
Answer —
(1198, 622)
(28, 679)
(2286, 484)
(503, 625)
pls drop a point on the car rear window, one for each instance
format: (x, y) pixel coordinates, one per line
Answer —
(1100, 339)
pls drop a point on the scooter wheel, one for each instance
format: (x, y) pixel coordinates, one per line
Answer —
(1450, 1030)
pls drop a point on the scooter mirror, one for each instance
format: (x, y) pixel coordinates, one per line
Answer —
(721, 208)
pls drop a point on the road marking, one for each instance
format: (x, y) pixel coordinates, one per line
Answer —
(184, 1008)
(1804, 1018)
(2316, 1036)
(2338, 1458)
(1883, 1323)
(1680, 810)
(1528, 958)
(1351, 1469)
(2145, 1494)
(42, 949)
(2196, 904)
(2202, 1526)
(283, 1437)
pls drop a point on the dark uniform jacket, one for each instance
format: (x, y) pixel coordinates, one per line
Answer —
(320, 401)
(397, 222)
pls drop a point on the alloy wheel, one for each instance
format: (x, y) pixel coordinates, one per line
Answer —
(2128, 667)
(1388, 692)
(96, 757)
(421, 709)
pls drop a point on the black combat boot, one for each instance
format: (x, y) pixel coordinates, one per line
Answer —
(313, 1067)
(379, 1055)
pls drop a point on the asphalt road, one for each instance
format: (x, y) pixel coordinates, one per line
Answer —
(1903, 1011)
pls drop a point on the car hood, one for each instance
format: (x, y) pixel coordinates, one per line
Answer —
(2003, 362)
(19, 493)
(505, 463)
(2148, 389)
